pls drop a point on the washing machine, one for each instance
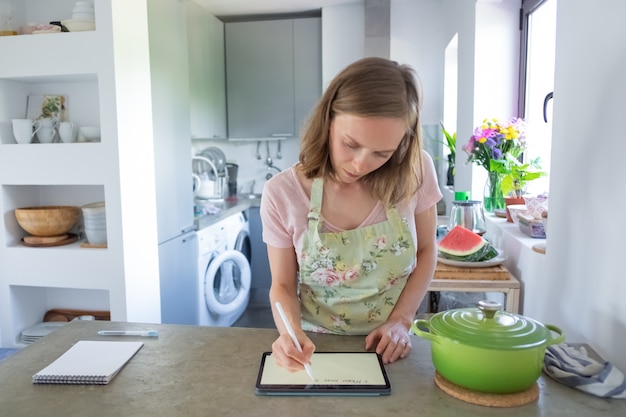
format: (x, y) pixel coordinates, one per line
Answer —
(224, 277)
(238, 233)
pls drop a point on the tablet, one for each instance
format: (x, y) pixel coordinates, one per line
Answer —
(335, 373)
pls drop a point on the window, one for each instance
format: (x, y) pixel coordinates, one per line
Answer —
(537, 82)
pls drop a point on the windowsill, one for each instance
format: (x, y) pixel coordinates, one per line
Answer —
(498, 227)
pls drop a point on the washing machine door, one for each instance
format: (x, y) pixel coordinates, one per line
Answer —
(227, 283)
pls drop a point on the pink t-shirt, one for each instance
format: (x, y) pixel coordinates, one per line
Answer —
(285, 205)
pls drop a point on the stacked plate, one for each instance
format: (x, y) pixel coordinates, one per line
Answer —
(95, 223)
(83, 17)
(39, 330)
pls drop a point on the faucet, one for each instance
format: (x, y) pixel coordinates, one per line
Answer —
(270, 163)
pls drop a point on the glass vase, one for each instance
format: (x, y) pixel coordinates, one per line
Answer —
(492, 196)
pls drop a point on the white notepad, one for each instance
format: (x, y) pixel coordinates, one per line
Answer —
(88, 362)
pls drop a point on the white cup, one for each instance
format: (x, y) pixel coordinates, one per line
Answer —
(46, 129)
(23, 130)
(6, 133)
(68, 132)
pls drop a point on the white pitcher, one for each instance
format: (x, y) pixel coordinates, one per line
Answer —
(46, 129)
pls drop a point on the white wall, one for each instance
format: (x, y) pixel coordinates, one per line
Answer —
(579, 284)
(585, 287)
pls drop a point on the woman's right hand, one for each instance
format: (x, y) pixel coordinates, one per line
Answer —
(287, 355)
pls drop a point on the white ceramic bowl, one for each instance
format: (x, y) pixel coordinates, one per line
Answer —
(95, 224)
(83, 9)
(96, 236)
(89, 134)
(94, 209)
(79, 25)
(83, 16)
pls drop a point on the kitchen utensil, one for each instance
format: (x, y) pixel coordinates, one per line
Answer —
(469, 214)
(232, 170)
(487, 349)
(47, 220)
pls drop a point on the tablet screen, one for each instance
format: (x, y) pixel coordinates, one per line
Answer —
(335, 373)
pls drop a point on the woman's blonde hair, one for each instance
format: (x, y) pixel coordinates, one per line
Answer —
(370, 87)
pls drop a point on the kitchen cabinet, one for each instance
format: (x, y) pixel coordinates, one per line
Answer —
(273, 75)
(178, 259)
(207, 77)
(107, 82)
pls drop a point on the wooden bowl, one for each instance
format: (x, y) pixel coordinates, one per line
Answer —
(47, 220)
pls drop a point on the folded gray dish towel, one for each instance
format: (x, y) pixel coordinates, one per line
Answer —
(574, 367)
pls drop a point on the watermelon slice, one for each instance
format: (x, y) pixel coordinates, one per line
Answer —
(461, 244)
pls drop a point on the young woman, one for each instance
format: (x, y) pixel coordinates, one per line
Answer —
(350, 229)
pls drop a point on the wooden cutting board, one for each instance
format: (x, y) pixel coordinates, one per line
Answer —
(497, 272)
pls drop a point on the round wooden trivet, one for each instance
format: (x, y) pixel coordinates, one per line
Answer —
(539, 248)
(484, 398)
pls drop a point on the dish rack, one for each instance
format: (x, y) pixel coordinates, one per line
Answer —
(218, 190)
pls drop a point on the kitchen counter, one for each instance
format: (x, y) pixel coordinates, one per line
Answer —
(199, 371)
(227, 208)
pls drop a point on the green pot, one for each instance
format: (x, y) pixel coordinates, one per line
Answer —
(487, 349)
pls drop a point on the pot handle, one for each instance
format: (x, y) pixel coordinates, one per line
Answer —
(426, 335)
(555, 340)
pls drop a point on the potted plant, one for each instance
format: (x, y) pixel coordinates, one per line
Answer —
(449, 143)
(515, 178)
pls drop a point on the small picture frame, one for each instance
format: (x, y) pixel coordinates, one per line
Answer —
(47, 106)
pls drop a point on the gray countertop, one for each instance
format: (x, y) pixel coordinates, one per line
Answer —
(227, 208)
(202, 371)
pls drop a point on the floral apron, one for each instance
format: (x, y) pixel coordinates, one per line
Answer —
(351, 280)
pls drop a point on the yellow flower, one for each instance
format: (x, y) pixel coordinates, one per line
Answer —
(482, 140)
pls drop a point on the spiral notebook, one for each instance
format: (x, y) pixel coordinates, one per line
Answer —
(88, 362)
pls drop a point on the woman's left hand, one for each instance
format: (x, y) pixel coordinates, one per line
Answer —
(391, 340)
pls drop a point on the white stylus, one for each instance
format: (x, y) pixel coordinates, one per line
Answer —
(283, 316)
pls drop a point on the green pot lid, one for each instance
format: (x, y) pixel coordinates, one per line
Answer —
(490, 327)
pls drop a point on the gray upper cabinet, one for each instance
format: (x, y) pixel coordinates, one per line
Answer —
(307, 67)
(206, 74)
(273, 74)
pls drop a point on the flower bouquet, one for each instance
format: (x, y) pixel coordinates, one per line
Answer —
(497, 147)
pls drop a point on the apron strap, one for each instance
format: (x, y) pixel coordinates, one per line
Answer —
(315, 210)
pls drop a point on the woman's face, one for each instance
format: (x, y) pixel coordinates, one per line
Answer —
(360, 145)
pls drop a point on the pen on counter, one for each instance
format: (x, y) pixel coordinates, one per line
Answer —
(145, 333)
(283, 316)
